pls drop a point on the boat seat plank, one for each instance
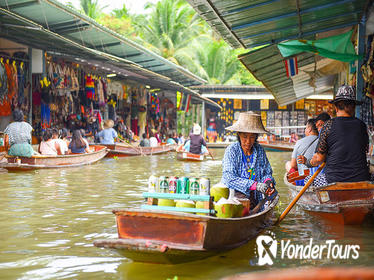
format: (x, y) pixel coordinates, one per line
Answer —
(178, 209)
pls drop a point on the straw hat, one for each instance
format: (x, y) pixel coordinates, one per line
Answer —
(346, 93)
(248, 122)
(108, 124)
(196, 130)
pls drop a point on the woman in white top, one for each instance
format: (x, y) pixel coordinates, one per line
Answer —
(153, 141)
(63, 145)
(49, 146)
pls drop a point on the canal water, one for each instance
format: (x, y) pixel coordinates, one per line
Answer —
(50, 218)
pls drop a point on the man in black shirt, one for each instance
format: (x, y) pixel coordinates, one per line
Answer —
(343, 143)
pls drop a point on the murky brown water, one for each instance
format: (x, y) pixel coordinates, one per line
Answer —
(50, 218)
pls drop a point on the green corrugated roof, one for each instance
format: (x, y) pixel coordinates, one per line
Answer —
(267, 65)
(25, 31)
(81, 29)
(259, 22)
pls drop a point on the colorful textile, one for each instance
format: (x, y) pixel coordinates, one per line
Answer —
(18, 133)
(21, 150)
(90, 87)
(45, 116)
(235, 173)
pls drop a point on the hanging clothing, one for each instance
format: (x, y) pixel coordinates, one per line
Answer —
(89, 87)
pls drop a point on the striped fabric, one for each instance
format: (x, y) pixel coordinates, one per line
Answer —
(291, 67)
(19, 133)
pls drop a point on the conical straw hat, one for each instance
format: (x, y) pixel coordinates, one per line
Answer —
(248, 122)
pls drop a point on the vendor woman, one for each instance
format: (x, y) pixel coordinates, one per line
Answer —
(246, 169)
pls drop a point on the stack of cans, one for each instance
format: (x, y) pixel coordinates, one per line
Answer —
(183, 185)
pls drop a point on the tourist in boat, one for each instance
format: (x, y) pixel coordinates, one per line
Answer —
(17, 137)
(246, 168)
(305, 146)
(64, 136)
(293, 138)
(108, 134)
(343, 143)
(145, 141)
(49, 146)
(170, 139)
(61, 143)
(77, 144)
(196, 144)
(321, 119)
(153, 140)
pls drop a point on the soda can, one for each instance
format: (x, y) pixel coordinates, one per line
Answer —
(204, 186)
(152, 184)
(163, 184)
(183, 185)
(173, 184)
(194, 186)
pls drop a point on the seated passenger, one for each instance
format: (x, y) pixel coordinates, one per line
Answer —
(343, 143)
(145, 141)
(196, 140)
(108, 134)
(305, 146)
(170, 139)
(17, 138)
(49, 146)
(77, 144)
(61, 143)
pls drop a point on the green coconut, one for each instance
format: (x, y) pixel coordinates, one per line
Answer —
(225, 208)
(200, 205)
(218, 191)
(166, 202)
(185, 204)
(238, 207)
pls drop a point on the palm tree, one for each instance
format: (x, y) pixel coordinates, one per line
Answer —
(170, 26)
(121, 13)
(91, 8)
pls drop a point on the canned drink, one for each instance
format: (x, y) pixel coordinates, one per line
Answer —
(173, 184)
(163, 184)
(18, 160)
(194, 186)
(204, 186)
(152, 184)
(183, 185)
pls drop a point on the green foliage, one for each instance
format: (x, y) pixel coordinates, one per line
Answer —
(91, 8)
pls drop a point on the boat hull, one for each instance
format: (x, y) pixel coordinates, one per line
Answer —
(278, 147)
(123, 150)
(185, 156)
(42, 161)
(168, 237)
(341, 203)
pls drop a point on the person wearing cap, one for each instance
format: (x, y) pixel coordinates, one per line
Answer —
(343, 143)
(108, 134)
(246, 168)
(196, 144)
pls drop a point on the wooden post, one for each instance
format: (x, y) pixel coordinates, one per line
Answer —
(30, 88)
(360, 51)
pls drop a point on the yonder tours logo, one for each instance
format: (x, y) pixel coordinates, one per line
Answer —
(267, 250)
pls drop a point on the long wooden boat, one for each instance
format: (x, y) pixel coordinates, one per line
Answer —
(169, 237)
(309, 273)
(126, 150)
(218, 145)
(278, 146)
(186, 156)
(341, 203)
(15, 163)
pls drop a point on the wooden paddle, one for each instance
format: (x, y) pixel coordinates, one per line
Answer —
(132, 146)
(293, 202)
(210, 153)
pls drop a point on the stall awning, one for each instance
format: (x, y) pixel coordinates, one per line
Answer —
(19, 29)
(83, 30)
(249, 24)
(267, 65)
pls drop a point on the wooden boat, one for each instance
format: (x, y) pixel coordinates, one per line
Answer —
(218, 145)
(309, 273)
(186, 156)
(126, 150)
(170, 237)
(341, 203)
(278, 146)
(15, 163)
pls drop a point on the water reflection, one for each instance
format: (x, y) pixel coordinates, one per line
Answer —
(51, 217)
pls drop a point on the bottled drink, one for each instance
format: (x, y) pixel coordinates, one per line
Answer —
(194, 186)
(163, 184)
(152, 184)
(204, 186)
(173, 184)
(183, 185)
